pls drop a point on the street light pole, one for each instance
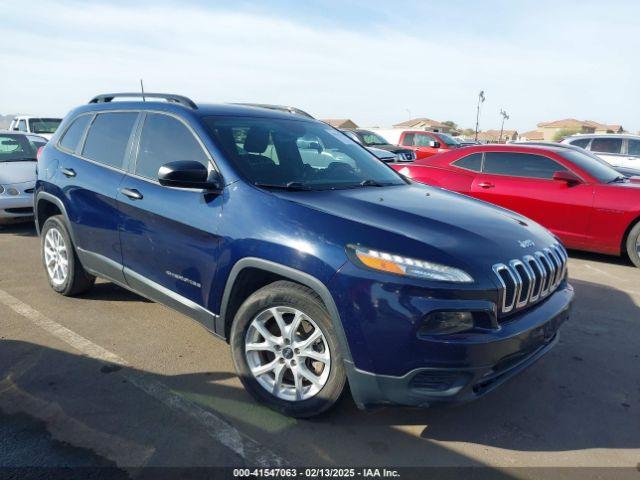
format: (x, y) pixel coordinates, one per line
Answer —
(480, 100)
(505, 116)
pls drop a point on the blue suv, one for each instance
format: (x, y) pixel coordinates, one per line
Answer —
(318, 263)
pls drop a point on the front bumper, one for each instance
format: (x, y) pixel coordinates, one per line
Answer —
(16, 207)
(492, 358)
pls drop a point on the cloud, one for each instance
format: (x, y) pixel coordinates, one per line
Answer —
(537, 65)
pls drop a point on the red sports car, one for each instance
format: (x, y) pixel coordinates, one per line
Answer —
(586, 203)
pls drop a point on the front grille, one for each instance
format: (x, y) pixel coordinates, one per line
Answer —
(529, 279)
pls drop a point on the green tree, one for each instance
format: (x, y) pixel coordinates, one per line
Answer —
(468, 132)
(564, 132)
(451, 124)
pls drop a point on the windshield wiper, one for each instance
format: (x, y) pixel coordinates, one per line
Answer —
(619, 179)
(295, 186)
(372, 183)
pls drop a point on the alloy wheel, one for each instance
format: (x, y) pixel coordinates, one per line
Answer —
(56, 256)
(287, 353)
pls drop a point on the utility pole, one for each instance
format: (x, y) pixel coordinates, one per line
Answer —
(409, 112)
(505, 116)
(480, 100)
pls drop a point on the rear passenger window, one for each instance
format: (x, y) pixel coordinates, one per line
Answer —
(108, 138)
(73, 135)
(606, 145)
(470, 162)
(520, 165)
(581, 142)
(165, 139)
(634, 147)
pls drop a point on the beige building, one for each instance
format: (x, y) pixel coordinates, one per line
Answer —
(426, 124)
(550, 129)
(340, 122)
(531, 136)
(493, 136)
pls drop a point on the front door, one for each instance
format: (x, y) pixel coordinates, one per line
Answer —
(169, 236)
(523, 182)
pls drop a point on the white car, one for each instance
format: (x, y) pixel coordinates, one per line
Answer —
(17, 176)
(44, 127)
(620, 150)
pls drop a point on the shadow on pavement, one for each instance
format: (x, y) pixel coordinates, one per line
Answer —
(21, 229)
(583, 395)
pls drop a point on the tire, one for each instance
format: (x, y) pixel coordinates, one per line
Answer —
(56, 248)
(633, 245)
(296, 395)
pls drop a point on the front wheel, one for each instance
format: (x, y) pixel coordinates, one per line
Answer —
(286, 352)
(633, 245)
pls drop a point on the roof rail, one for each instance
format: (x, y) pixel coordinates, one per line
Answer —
(169, 97)
(280, 108)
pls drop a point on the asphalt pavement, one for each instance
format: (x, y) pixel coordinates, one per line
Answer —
(110, 379)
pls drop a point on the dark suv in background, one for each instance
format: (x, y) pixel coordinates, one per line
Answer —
(372, 140)
(318, 266)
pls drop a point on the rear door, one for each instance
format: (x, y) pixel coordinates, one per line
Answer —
(609, 149)
(523, 182)
(169, 235)
(90, 168)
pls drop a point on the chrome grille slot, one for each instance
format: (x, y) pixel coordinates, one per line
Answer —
(532, 278)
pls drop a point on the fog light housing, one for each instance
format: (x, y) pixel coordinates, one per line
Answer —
(12, 191)
(446, 323)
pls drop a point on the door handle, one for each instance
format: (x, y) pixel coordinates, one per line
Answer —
(486, 185)
(68, 172)
(131, 193)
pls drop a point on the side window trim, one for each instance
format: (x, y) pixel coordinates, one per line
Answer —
(135, 150)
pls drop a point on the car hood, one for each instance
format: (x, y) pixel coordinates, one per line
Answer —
(17, 172)
(438, 221)
(391, 148)
(381, 154)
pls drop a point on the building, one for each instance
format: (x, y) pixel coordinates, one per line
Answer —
(340, 122)
(426, 124)
(550, 130)
(493, 136)
(531, 136)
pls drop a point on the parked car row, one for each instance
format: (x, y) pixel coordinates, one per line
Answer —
(583, 200)
(320, 265)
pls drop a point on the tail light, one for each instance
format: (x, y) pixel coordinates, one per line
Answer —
(39, 152)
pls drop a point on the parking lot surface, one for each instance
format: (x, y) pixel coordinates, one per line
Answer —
(112, 379)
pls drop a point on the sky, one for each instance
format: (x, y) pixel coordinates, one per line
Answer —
(376, 62)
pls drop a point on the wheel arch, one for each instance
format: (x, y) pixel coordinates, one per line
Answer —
(47, 205)
(625, 236)
(275, 271)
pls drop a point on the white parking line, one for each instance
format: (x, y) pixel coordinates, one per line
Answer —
(219, 429)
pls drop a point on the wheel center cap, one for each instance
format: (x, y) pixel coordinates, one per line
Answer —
(287, 353)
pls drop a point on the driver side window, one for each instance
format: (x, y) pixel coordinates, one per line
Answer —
(166, 139)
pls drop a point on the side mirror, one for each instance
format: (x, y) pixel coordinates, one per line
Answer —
(567, 177)
(190, 174)
(434, 144)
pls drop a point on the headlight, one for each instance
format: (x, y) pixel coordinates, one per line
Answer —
(410, 267)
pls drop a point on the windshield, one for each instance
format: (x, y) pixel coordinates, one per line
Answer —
(372, 139)
(449, 140)
(297, 154)
(44, 125)
(16, 148)
(595, 167)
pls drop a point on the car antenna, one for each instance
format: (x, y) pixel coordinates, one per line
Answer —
(142, 88)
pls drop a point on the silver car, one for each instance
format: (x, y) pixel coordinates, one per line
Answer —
(620, 150)
(17, 176)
